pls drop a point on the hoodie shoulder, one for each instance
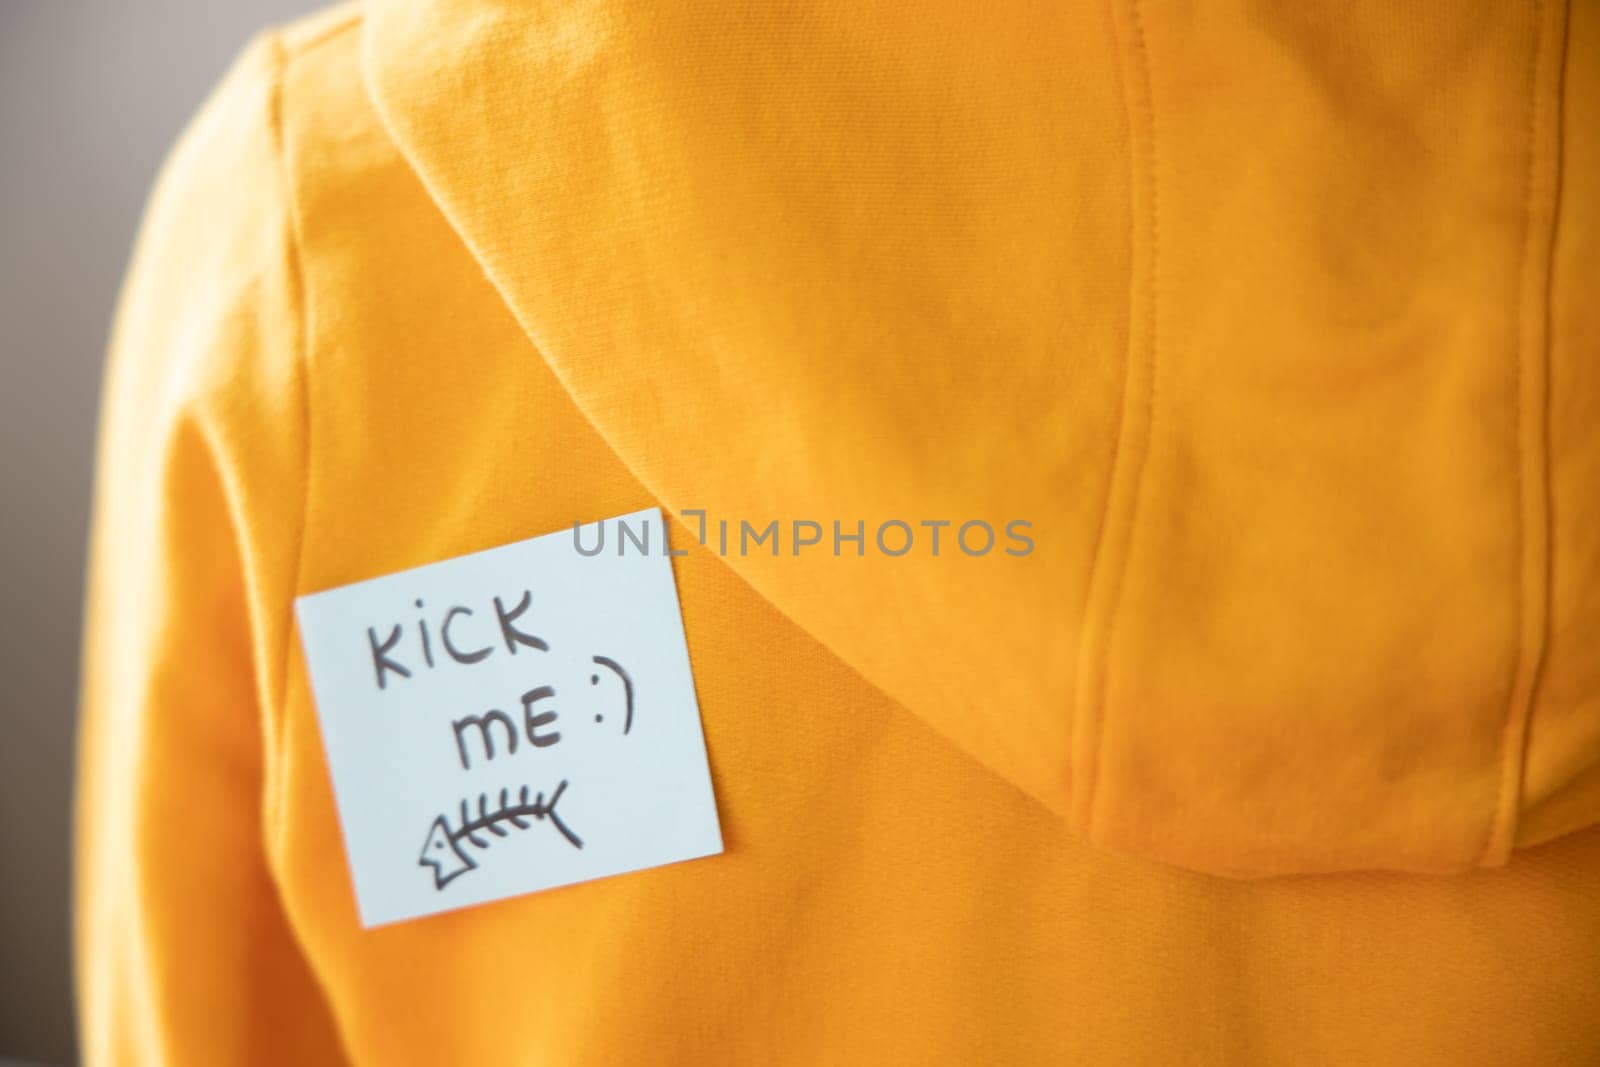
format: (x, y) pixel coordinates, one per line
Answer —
(327, 23)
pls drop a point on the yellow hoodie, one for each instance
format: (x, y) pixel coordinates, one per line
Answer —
(1277, 325)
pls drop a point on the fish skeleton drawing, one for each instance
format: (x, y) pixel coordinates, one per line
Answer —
(444, 852)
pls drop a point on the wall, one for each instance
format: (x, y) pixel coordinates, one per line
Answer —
(91, 97)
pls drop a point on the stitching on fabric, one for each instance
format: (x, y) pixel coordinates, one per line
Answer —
(1524, 681)
(1519, 605)
(302, 356)
(1085, 709)
(1102, 683)
(282, 58)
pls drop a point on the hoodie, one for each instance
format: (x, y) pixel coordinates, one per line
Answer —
(1255, 345)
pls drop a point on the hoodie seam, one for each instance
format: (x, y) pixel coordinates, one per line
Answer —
(300, 301)
(283, 55)
(1130, 453)
(1530, 434)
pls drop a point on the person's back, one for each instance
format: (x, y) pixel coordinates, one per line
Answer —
(1135, 469)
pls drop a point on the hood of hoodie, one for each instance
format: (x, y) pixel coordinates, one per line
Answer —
(1254, 321)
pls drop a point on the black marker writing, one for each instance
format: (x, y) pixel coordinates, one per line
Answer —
(450, 646)
(627, 687)
(443, 849)
(390, 658)
(483, 722)
(514, 636)
(381, 663)
(532, 723)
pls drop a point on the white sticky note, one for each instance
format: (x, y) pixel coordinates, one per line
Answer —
(511, 720)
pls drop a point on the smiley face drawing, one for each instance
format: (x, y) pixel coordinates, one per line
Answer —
(615, 668)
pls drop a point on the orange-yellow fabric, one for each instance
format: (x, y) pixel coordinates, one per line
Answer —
(1276, 323)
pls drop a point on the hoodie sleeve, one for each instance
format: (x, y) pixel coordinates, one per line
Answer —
(184, 952)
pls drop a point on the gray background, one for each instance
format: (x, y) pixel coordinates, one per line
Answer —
(91, 97)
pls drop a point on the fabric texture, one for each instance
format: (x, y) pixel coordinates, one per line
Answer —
(1275, 326)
